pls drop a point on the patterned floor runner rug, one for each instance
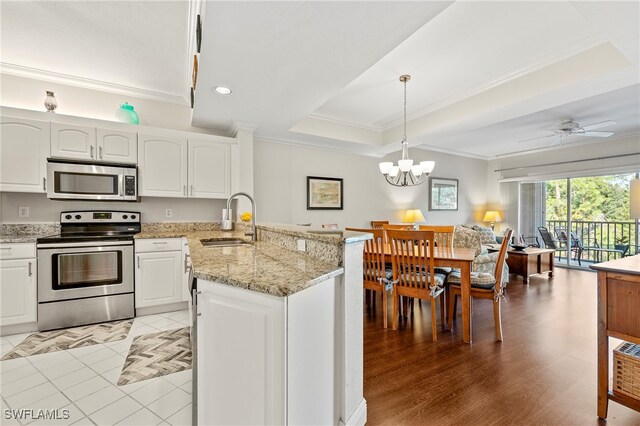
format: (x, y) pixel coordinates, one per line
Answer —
(70, 338)
(157, 354)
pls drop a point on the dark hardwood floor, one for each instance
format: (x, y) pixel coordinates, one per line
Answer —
(543, 373)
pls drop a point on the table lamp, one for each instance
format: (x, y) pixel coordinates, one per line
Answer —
(634, 202)
(492, 216)
(413, 216)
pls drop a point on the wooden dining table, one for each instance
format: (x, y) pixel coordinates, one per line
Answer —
(456, 257)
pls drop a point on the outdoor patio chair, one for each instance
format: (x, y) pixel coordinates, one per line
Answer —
(549, 241)
(575, 243)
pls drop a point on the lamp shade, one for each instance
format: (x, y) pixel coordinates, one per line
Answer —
(634, 199)
(492, 216)
(413, 216)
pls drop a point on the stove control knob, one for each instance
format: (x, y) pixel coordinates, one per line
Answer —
(124, 216)
(78, 217)
(133, 216)
(68, 217)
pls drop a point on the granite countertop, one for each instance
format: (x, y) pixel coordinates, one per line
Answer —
(335, 236)
(26, 232)
(261, 266)
(19, 238)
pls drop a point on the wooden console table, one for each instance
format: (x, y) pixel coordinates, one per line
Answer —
(530, 261)
(619, 317)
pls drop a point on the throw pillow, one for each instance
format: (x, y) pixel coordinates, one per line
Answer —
(468, 238)
(486, 234)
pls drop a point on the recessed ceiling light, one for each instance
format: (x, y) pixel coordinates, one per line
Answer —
(221, 90)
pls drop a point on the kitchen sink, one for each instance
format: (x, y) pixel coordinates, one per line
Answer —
(226, 242)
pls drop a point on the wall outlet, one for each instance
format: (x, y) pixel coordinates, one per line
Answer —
(23, 211)
(302, 245)
(168, 213)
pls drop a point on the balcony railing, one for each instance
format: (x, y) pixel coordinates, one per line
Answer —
(601, 240)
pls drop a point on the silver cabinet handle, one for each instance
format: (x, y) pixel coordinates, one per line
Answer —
(138, 262)
(91, 151)
(184, 190)
(100, 152)
(30, 271)
(192, 190)
(186, 262)
(44, 183)
(159, 242)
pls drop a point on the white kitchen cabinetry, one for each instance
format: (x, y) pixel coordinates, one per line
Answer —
(18, 284)
(209, 169)
(264, 359)
(24, 148)
(175, 167)
(73, 141)
(162, 165)
(159, 272)
(115, 146)
(93, 144)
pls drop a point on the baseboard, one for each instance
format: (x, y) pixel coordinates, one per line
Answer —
(28, 327)
(359, 416)
(161, 309)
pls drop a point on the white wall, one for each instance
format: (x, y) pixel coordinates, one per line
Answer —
(152, 209)
(280, 186)
(28, 93)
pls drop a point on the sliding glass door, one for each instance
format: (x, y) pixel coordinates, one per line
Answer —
(587, 218)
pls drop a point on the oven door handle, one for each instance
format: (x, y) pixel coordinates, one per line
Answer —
(86, 244)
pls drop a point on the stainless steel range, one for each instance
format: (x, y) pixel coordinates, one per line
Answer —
(85, 274)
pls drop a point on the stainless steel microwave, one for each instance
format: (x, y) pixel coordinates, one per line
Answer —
(96, 182)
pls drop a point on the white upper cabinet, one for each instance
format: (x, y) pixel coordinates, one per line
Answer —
(175, 167)
(117, 147)
(162, 165)
(209, 169)
(73, 141)
(93, 144)
(24, 148)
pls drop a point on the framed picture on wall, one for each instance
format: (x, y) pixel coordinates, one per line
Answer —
(324, 193)
(443, 194)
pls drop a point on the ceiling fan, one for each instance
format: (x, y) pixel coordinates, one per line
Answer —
(570, 128)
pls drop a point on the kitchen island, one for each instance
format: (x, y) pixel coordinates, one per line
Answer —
(279, 331)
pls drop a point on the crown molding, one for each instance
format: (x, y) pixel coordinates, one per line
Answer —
(87, 83)
(308, 144)
(316, 116)
(235, 126)
(557, 55)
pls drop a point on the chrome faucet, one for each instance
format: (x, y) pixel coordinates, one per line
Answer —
(227, 223)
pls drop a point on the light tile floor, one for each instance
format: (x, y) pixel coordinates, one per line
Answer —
(83, 381)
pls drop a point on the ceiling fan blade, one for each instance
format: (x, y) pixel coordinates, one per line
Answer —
(535, 139)
(597, 134)
(598, 125)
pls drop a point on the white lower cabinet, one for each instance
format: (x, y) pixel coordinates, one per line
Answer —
(159, 274)
(18, 289)
(263, 359)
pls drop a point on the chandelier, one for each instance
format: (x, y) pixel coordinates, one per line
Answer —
(406, 173)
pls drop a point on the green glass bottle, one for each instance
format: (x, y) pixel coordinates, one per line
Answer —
(126, 114)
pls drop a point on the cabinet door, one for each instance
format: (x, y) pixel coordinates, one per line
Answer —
(162, 166)
(117, 147)
(209, 169)
(18, 299)
(158, 278)
(24, 148)
(241, 356)
(74, 142)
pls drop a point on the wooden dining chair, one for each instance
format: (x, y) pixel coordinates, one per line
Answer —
(413, 271)
(330, 226)
(375, 274)
(442, 233)
(398, 226)
(377, 224)
(483, 286)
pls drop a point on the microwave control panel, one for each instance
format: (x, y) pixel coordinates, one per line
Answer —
(130, 185)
